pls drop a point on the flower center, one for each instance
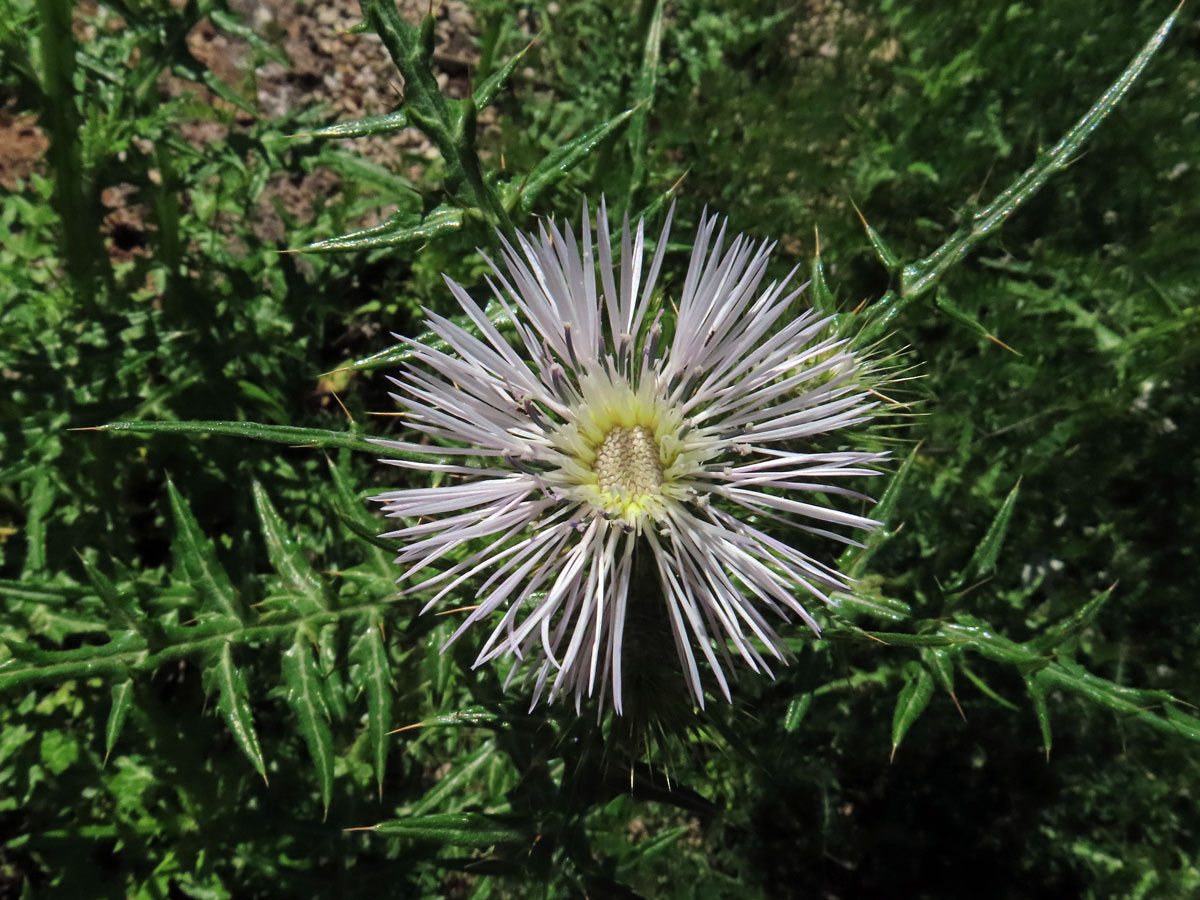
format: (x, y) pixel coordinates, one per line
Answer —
(627, 463)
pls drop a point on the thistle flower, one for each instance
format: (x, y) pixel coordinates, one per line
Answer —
(622, 427)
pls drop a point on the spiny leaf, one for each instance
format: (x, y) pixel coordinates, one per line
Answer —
(820, 295)
(919, 278)
(454, 783)
(940, 662)
(1073, 624)
(131, 652)
(40, 502)
(796, 711)
(985, 688)
(471, 716)
(195, 554)
(192, 69)
(41, 592)
(307, 700)
(123, 653)
(122, 700)
(653, 209)
(288, 557)
(491, 85)
(370, 652)
(890, 260)
(396, 221)
(369, 536)
(400, 353)
(329, 654)
(979, 636)
(459, 829)
(355, 168)
(385, 124)
(1186, 725)
(913, 699)
(279, 434)
(983, 560)
(237, 28)
(943, 302)
(643, 96)
(559, 162)
(1136, 703)
(854, 559)
(1036, 682)
(120, 605)
(442, 220)
(353, 513)
(449, 125)
(869, 604)
(234, 705)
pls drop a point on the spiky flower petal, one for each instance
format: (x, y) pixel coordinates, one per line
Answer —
(627, 427)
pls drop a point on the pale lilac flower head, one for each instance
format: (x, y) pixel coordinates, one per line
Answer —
(624, 426)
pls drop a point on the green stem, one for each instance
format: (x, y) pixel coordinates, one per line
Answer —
(919, 278)
(132, 653)
(451, 131)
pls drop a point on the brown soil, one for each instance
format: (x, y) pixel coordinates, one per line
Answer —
(22, 146)
(349, 75)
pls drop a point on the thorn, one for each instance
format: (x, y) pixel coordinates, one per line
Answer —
(446, 612)
(407, 728)
(858, 308)
(887, 398)
(360, 828)
(892, 758)
(685, 174)
(958, 706)
(979, 583)
(996, 340)
(979, 193)
(349, 418)
(90, 428)
(858, 212)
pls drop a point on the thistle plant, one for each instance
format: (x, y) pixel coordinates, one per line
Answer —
(618, 438)
(623, 457)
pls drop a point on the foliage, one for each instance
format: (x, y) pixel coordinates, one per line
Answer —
(210, 688)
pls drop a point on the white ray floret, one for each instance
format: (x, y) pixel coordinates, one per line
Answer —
(605, 435)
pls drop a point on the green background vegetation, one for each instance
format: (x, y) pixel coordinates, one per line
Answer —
(200, 651)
